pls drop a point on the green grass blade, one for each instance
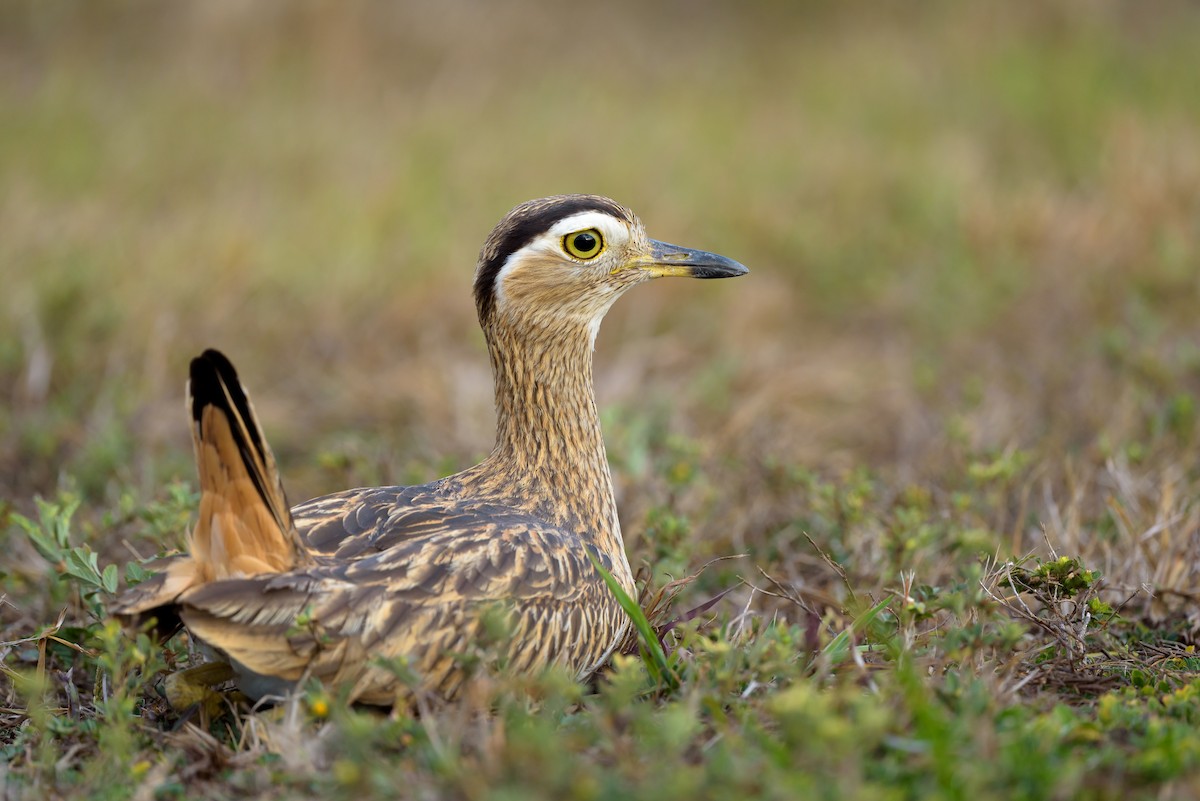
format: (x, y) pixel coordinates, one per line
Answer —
(839, 647)
(652, 650)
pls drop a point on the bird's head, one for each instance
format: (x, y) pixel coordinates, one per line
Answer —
(560, 262)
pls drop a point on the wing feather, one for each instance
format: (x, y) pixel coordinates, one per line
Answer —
(421, 598)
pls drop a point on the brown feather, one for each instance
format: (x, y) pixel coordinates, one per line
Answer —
(244, 527)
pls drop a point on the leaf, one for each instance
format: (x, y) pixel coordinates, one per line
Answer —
(839, 647)
(41, 542)
(108, 579)
(80, 563)
(56, 517)
(51, 533)
(652, 651)
(135, 573)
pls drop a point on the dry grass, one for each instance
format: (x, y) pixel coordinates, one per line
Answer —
(969, 335)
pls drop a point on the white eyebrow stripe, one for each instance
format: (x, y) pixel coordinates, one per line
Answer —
(605, 223)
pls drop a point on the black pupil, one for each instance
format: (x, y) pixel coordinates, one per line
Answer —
(585, 242)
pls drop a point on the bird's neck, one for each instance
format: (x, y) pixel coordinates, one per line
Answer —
(549, 456)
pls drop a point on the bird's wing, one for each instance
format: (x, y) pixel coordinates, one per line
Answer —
(361, 522)
(423, 598)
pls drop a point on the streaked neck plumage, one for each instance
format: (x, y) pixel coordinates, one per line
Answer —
(549, 457)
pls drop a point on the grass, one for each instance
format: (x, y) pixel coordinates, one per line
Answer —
(949, 422)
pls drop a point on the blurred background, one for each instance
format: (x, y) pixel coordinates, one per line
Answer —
(972, 232)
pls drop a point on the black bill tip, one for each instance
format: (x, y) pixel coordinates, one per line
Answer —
(670, 259)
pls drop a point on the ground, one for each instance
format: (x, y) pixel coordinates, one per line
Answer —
(947, 425)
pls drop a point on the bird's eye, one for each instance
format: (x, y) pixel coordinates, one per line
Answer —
(584, 245)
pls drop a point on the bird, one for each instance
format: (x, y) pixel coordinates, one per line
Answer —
(344, 587)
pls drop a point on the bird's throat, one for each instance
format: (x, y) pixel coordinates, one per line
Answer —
(546, 420)
(549, 443)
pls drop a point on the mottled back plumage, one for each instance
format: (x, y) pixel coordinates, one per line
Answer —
(333, 585)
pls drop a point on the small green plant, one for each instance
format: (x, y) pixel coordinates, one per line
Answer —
(1056, 579)
(837, 650)
(658, 664)
(50, 535)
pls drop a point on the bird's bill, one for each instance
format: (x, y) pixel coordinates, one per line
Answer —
(672, 260)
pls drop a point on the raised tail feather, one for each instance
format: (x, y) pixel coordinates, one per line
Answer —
(245, 526)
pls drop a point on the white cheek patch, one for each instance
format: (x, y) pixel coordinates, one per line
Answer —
(594, 327)
(506, 270)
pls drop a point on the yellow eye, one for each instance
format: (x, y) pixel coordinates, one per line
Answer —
(584, 245)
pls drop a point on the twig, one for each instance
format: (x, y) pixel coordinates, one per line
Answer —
(833, 565)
